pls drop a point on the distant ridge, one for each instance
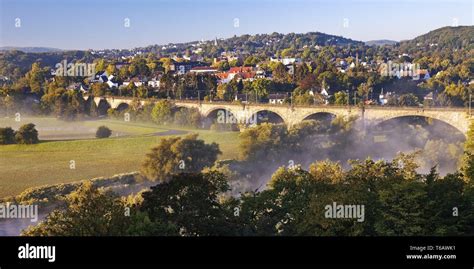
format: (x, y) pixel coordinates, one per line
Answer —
(381, 42)
(445, 37)
(30, 49)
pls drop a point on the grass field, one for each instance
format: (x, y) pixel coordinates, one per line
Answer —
(24, 166)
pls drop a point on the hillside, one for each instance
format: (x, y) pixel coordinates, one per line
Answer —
(381, 42)
(15, 63)
(260, 43)
(30, 49)
(444, 38)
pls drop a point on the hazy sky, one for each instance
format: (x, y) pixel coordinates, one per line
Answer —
(97, 24)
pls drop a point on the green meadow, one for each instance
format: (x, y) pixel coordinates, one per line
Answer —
(66, 143)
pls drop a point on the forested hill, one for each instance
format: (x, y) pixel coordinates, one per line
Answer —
(445, 40)
(266, 43)
(461, 37)
(30, 49)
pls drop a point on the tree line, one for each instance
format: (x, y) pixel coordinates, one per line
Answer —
(194, 197)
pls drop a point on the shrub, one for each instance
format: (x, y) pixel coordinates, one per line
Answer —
(27, 134)
(176, 155)
(7, 136)
(103, 132)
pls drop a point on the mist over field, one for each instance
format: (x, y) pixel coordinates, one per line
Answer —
(433, 143)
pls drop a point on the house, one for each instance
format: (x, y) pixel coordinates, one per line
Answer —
(383, 98)
(203, 70)
(119, 65)
(286, 61)
(78, 87)
(112, 84)
(137, 81)
(100, 76)
(242, 98)
(181, 68)
(429, 96)
(241, 69)
(277, 98)
(103, 77)
(240, 73)
(154, 83)
(324, 93)
(4, 80)
(422, 74)
(260, 74)
(193, 58)
(290, 69)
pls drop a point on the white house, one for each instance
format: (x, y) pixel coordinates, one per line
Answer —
(286, 61)
(78, 87)
(276, 98)
(155, 83)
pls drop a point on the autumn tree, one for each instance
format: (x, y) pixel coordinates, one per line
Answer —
(89, 212)
(178, 155)
(27, 134)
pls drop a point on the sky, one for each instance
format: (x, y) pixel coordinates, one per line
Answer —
(101, 24)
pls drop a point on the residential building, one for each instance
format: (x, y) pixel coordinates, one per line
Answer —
(277, 98)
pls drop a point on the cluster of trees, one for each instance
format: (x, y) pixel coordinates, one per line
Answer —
(160, 112)
(26, 134)
(397, 201)
(178, 155)
(194, 196)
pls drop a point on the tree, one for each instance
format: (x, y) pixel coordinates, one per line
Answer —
(280, 74)
(111, 69)
(363, 90)
(7, 136)
(263, 143)
(309, 82)
(287, 52)
(223, 66)
(27, 134)
(161, 113)
(403, 210)
(408, 100)
(36, 78)
(341, 98)
(261, 87)
(188, 117)
(225, 92)
(190, 202)
(177, 155)
(251, 61)
(103, 132)
(99, 89)
(89, 212)
(301, 72)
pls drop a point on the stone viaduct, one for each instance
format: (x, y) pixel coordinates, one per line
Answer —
(459, 118)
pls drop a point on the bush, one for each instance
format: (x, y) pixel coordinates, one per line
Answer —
(161, 112)
(27, 134)
(103, 132)
(188, 117)
(176, 155)
(7, 136)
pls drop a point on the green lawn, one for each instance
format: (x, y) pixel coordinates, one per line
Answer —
(24, 166)
(53, 129)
